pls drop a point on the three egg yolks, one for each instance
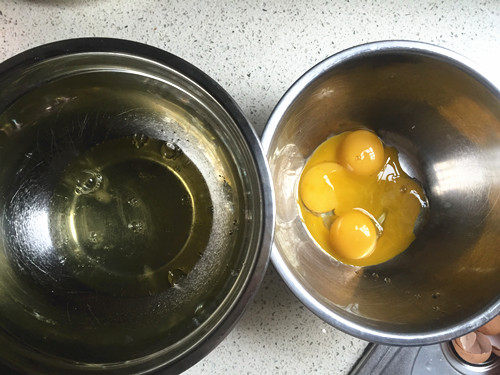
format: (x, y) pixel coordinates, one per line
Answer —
(357, 202)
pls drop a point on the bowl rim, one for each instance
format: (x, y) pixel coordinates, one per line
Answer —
(293, 283)
(170, 61)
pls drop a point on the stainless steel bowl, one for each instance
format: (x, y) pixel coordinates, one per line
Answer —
(444, 118)
(67, 311)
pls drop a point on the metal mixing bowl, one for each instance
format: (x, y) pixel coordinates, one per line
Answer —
(444, 118)
(61, 311)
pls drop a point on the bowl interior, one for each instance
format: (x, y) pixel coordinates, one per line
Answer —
(446, 125)
(134, 296)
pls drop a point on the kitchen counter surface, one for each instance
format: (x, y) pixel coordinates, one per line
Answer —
(256, 50)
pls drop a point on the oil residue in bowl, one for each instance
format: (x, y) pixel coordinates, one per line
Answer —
(132, 214)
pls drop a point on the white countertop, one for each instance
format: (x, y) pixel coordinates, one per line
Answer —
(256, 50)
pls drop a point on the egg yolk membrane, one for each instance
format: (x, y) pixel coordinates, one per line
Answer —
(353, 235)
(357, 202)
(362, 152)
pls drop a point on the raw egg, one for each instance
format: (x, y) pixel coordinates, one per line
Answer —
(357, 202)
(318, 187)
(362, 152)
(353, 235)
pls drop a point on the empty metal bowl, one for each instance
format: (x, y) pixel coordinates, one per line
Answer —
(444, 118)
(104, 268)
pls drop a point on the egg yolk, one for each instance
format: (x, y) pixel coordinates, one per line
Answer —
(362, 152)
(343, 198)
(353, 235)
(317, 187)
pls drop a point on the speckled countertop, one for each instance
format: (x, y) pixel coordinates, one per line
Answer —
(255, 50)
